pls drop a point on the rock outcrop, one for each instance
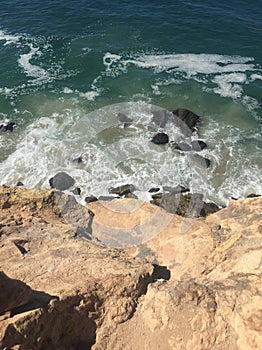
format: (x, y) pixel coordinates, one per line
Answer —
(184, 284)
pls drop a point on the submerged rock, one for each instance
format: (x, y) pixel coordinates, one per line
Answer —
(8, 127)
(160, 138)
(160, 118)
(202, 161)
(198, 145)
(181, 146)
(124, 119)
(61, 181)
(189, 118)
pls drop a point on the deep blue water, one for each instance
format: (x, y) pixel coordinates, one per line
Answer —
(60, 61)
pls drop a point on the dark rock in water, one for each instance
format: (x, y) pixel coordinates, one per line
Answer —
(157, 195)
(177, 189)
(19, 183)
(61, 181)
(125, 120)
(189, 205)
(160, 138)
(253, 195)
(107, 198)
(78, 160)
(91, 199)
(188, 117)
(154, 189)
(76, 191)
(198, 145)
(209, 208)
(131, 195)
(181, 146)
(122, 190)
(8, 127)
(204, 162)
(160, 118)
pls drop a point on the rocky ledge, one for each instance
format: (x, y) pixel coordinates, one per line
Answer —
(189, 283)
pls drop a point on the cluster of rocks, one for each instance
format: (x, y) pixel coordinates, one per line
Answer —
(175, 200)
(180, 201)
(188, 122)
(185, 120)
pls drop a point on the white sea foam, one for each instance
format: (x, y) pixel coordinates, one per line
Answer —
(255, 77)
(8, 38)
(229, 74)
(114, 156)
(30, 69)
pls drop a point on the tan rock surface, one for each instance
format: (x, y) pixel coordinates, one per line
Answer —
(89, 296)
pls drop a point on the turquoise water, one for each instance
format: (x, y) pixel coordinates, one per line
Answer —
(67, 68)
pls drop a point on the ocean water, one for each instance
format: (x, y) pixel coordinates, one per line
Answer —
(68, 68)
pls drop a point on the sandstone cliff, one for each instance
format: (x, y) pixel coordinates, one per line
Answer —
(127, 275)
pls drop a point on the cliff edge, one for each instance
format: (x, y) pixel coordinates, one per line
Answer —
(69, 280)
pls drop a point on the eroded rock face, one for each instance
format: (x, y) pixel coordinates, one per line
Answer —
(192, 284)
(77, 285)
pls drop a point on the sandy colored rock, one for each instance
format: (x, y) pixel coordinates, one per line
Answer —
(184, 284)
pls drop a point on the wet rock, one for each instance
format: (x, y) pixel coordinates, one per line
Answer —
(253, 195)
(8, 127)
(181, 146)
(202, 161)
(176, 189)
(122, 190)
(198, 145)
(61, 181)
(189, 118)
(160, 138)
(131, 195)
(160, 118)
(78, 160)
(91, 199)
(209, 208)
(19, 183)
(154, 189)
(124, 119)
(189, 205)
(76, 191)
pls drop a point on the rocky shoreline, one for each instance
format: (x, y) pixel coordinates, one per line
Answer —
(196, 288)
(175, 272)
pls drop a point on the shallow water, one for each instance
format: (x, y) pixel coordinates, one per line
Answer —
(66, 72)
